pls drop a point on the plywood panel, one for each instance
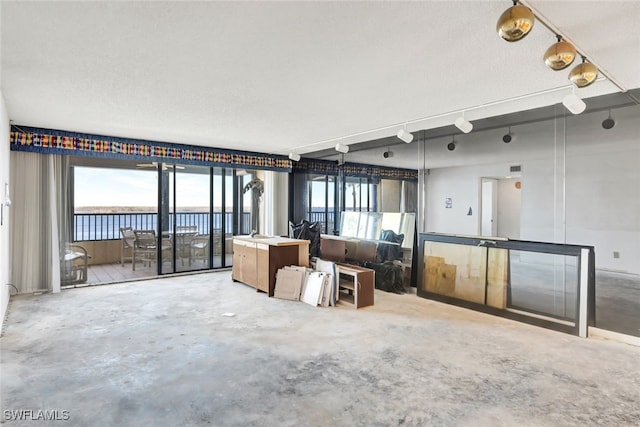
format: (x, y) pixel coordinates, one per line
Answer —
(263, 269)
(456, 270)
(445, 279)
(432, 263)
(288, 284)
(497, 278)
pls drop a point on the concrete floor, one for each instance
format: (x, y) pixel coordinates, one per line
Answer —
(618, 302)
(161, 353)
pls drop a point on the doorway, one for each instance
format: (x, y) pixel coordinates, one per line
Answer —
(201, 208)
(192, 213)
(500, 207)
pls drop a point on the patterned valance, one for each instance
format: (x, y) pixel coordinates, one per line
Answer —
(50, 141)
(326, 167)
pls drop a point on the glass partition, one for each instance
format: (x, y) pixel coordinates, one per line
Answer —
(544, 283)
(369, 225)
(547, 284)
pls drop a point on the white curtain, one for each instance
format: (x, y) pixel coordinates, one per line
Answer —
(37, 191)
(276, 203)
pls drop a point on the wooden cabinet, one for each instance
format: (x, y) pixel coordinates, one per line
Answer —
(257, 260)
(356, 285)
(245, 268)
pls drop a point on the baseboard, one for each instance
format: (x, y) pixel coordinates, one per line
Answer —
(614, 336)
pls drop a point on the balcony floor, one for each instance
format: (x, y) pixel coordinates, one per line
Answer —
(115, 272)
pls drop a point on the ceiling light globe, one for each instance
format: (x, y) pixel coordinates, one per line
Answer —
(584, 74)
(560, 55)
(515, 23)
(608, 123)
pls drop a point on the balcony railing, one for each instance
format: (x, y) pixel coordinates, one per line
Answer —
(96, 226)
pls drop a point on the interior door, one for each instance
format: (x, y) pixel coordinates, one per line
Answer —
(489, 215)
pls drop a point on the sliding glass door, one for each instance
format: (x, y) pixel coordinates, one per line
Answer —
(186, 223)
(201, 209)
(189, 214)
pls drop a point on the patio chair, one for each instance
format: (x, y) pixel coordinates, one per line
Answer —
(145, 247)
(199, 249)
(128, 239)
(184, 237)
(74, 265)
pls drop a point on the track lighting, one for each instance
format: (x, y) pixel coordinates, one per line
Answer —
(574, 103)
(405, 136)
(294, 156)
(608, 123)
(452, 145)
(463, 124)
(560, 55)
(584, 74)
(515, 22)
(340, 148)
(507, 138)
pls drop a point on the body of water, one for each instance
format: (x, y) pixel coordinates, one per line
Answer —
(95, 226)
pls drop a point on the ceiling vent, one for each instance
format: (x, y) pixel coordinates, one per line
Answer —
(513, 169)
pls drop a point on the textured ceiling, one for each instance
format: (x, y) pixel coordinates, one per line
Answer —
(292, 76)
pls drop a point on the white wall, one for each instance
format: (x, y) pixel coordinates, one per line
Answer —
(275, 203)
(4, 228)
(582, 188)
(509, 208)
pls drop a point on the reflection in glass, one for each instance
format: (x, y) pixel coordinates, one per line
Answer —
(457, 271)
(544, 283)
(349, 224)
(369, 225)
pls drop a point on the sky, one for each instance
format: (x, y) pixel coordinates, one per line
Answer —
(123, 187)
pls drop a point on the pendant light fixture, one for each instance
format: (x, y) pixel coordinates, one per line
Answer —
(452, 145)
(560, 55)
(507, 137)
(584, 74)
(515, 22)
(608, 123)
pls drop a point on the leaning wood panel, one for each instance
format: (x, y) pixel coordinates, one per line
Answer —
(262, 257)
(461, 274)
(497, 278)
(279, 256)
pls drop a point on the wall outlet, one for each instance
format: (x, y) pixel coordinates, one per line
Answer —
(616, 254)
